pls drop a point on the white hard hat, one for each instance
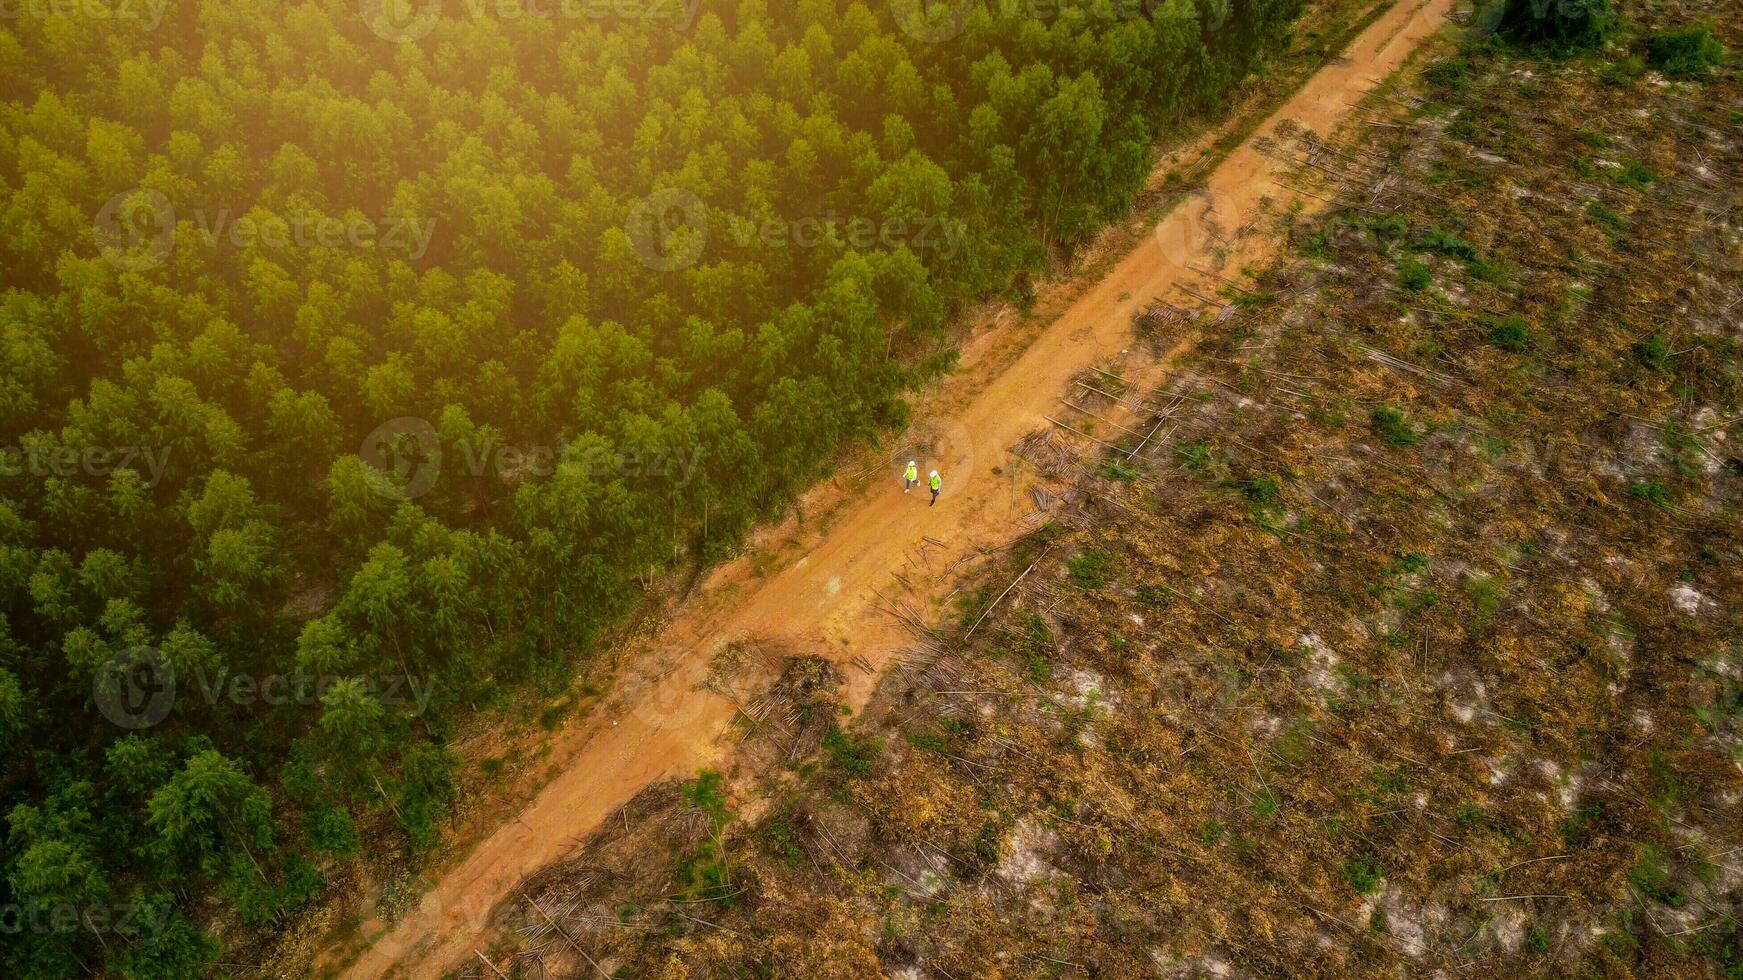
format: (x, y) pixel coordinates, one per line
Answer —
(911, 462)
(934, 472)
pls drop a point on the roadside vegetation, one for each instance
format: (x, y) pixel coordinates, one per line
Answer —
(1417, 646)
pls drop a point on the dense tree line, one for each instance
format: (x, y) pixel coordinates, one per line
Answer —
(595, 292)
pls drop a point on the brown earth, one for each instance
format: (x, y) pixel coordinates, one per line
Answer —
(661, 722)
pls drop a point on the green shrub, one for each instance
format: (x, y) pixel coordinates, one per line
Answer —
(850, 753)
(1262, 491)
(1203, 459)
(1653, 492)
(1393, 427)
(1388, 225)
(1413, 275)
(1485, 594)
(1488, 270)
(1114, 469)
(1091, 569)
(1037, 667)
(1265, 804)
(1685, 52)
(706, 873)
(1463, 128)
(1634, 174)
(707, 792)
(1445, 243)
(1578, 825)
(1363, 874)
(1033, 646)
(1653, 352)
(1653, 879)
(929, 742)
(1622, 72)
(1556, 27)
(1617, 224)
(1448, 74)
(1680, 448)
(784, 842)
(1511, 334)
(331, 832)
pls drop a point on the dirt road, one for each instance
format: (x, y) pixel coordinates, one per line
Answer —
(661, 725)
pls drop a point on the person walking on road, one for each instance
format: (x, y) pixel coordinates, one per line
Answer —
(936, 483)
(910, 477)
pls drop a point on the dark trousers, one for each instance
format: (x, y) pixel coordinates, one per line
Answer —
(934, 502)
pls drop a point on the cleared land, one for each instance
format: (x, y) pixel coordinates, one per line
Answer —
(1411, 642)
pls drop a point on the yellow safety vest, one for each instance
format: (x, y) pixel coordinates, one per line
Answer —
(937, 481)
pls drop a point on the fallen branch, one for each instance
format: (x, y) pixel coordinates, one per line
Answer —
(1008, 588)
(486, 961)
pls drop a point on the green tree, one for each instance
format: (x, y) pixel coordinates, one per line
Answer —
(1556, 26)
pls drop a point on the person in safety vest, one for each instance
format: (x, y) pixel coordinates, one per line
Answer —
(936, 483)
(910, 477)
